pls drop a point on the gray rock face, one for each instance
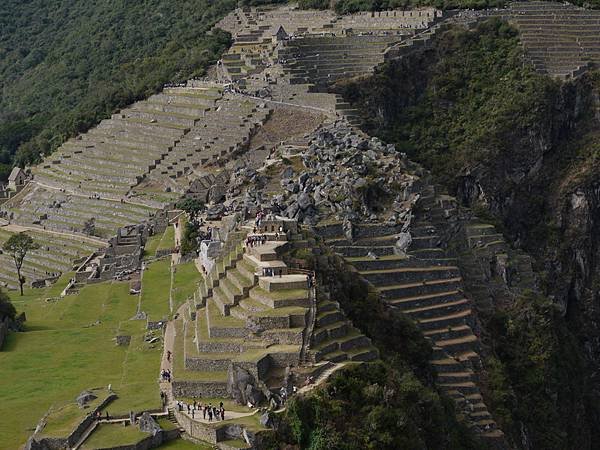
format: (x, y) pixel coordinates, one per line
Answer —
(148, 424)
(241, 385)
(402, 244)
(85, 397)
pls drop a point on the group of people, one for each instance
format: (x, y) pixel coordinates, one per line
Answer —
(209, 412)
(258, 239)
(165, 375)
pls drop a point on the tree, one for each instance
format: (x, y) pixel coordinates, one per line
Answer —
(6, 307)
(192, 207)
(18, 245)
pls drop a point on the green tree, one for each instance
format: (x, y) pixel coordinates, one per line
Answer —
(193, 207)
(6, 307)
(18, 245)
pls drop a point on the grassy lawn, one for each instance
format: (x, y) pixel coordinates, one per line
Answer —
(168, 239)
(69, 346)
(180, 444)
(185, 282)
(106, 436)
(152, 245)
(155, 289)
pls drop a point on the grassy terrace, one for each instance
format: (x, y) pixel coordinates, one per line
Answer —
(106, 436)
(151, 245)
(180, 444)
(185, 282)
(167, 241)
(155, 289)
(69, 346)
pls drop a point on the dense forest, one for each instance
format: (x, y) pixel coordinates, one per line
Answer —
(66, 64)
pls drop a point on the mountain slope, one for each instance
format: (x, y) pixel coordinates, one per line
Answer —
(65, 65)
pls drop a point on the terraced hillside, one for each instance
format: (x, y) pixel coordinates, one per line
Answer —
(55, 256)
(255, 32)
(242, 318)
(426, 284)
(559, 38)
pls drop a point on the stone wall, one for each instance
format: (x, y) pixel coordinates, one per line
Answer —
(199, 389)
(3, 331)
(46, 443)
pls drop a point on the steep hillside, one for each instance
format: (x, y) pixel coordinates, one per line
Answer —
(519, 148)
(65, 65)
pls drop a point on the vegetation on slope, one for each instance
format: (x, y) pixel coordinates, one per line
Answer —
(389, 404)
(456, 104)
(470, 109)
(66, 65)
(6, 307)
(351, 6)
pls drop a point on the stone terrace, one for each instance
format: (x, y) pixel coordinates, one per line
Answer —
(69, 212)
(245, 319)
(559, 38)
(254, 30)
(55, 256)
(215, 137)
(426, 285)
(324, 60)
(116, 155)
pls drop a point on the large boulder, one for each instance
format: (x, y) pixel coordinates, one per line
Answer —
(241, 385)
(148, 424)
(85, 397)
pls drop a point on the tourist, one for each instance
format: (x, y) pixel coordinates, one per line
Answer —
(169, 355)
(222, 413)
(210, 415)
(204, 412)
(193, 412)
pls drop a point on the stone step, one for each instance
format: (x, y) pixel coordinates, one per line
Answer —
(455, 377)
(446, 364)
(451, 319)
(465, 388)
(283, 282)
(442, 310)
(459, 344)
(424, 300)
(282, 299)
(449, 333)
(421, 288)
(353, 251)
(328, 318)
(410, 275)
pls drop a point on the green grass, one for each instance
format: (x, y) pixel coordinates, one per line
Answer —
(106, 436)
(167, 241)
(185, 282)
(152, 245)
(155, 289)
(180, 444)
(60, 421)
(62, 353)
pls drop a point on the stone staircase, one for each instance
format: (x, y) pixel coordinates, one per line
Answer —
(243, 318)
(425, 284)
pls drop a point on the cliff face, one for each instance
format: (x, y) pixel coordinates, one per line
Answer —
(520, 150)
